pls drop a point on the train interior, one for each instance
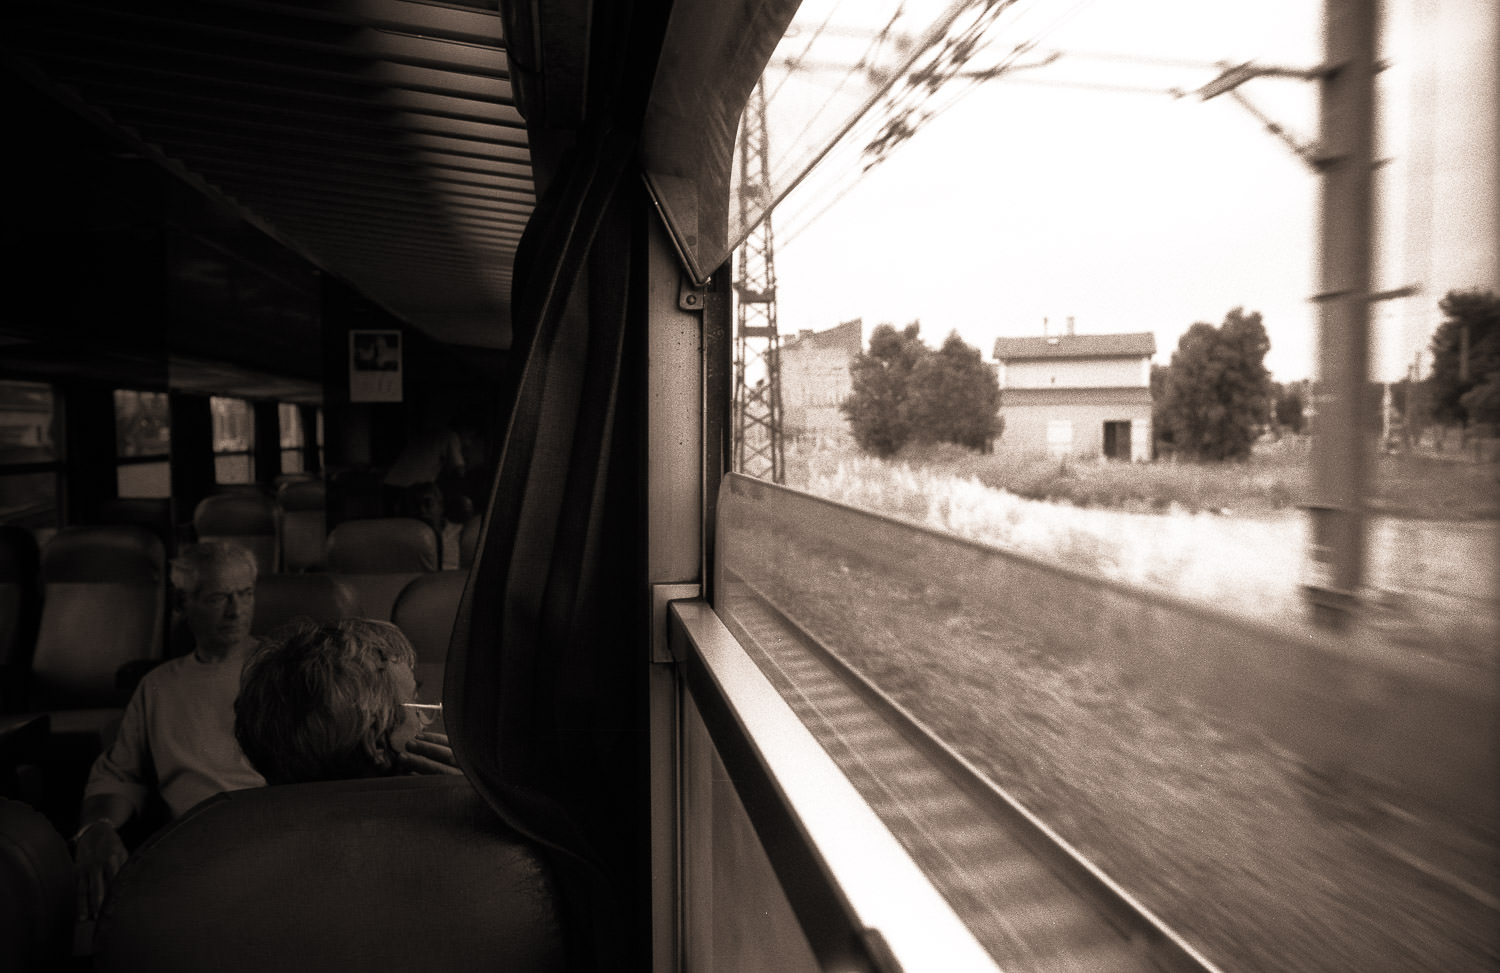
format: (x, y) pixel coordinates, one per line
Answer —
(256, 253)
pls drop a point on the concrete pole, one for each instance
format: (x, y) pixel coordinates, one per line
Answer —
(1341, 454)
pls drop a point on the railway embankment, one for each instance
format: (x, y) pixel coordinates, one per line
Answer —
(1257, 786)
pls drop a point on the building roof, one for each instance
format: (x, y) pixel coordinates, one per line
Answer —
(1140, 344)
(846, 336)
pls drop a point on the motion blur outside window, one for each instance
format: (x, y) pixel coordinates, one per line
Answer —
(143, 441)
(290, 422)
(1056, 462)
(30, 455)
(234, 440)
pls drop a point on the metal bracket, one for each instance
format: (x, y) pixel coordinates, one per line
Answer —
(661, 596)
(691, 296)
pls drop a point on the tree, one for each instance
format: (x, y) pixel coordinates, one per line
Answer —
(1217, 393)
(955, 396)
(1465, 354)
(1290, 405)
(879, 407)
(1161, 430)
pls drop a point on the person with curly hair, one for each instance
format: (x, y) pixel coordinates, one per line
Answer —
(336, 701)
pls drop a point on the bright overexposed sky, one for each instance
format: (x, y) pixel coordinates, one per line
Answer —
(1061, 191)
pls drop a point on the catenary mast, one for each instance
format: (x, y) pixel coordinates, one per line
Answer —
(758, 448)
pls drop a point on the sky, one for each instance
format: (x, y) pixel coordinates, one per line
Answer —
(1028, 200)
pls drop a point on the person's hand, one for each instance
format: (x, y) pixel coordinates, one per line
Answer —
(429, 753)
(98, 854)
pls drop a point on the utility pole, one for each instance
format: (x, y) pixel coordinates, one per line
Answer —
(1344, 157)
(758, 448)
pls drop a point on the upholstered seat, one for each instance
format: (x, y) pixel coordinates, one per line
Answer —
(304, 525)
(404, 873)
(283, 598)
(36, 891)
(246, 518)
(468, 540)
(379, 557)
(103, 598)
(20, 610)
(425, 611)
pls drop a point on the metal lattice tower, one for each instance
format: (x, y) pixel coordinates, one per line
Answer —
(758, 447)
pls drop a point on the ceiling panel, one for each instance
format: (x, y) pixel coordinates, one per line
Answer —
(379, 139)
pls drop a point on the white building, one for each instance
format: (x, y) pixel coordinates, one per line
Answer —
(1077, 395)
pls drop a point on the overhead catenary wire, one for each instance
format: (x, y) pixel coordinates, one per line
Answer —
(895, 122)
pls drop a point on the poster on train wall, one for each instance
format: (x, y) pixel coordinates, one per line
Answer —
(374, 366)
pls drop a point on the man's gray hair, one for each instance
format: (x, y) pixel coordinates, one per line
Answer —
(190, 564)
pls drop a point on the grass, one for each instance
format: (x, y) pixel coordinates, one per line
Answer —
(1423, 485)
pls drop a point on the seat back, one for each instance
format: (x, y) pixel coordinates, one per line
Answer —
(36, 891)
(103, 598)
(380, 556)
(425, 611)
(246, 518)
(468, 541)
(397, 873)
(304, 525)
(282, 598)
(20, 598)
(152, 512)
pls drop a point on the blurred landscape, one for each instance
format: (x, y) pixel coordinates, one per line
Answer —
(1226, 534)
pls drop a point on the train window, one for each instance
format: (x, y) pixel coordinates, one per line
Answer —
(234, 440)
(1124, 660)
(30, 455)
(289, 419)
(143, 440)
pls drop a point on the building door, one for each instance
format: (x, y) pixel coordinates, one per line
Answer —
(1117, 440)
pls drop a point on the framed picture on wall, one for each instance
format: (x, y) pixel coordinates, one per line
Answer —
(374, 366)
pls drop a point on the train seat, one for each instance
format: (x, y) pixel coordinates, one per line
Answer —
(304, 525)
(468, 541)
(103, 602)
(244, 517)
(425, 611)
(397, 873)
(154, 513)
(20, 609)
(380, 556)
(36, 891)
(283, 598)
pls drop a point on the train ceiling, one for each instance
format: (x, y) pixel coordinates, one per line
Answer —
(378, 139)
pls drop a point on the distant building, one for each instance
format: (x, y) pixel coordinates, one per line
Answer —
(1077, 394)
(815, 380)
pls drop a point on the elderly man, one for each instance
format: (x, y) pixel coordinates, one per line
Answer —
(176, 738)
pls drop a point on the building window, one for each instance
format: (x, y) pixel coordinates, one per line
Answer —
(234, 440)
(143, 442)
(30, 459)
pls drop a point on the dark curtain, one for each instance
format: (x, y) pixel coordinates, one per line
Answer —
(544, 695)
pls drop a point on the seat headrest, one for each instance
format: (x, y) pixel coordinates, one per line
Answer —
(425, 611)
(282, 598)
(401, 873)
(234, 514)
(382, 545)
(116, 553)
(303, 495)
(19, 556)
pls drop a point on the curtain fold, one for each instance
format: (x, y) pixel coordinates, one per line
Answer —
(540, 697)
